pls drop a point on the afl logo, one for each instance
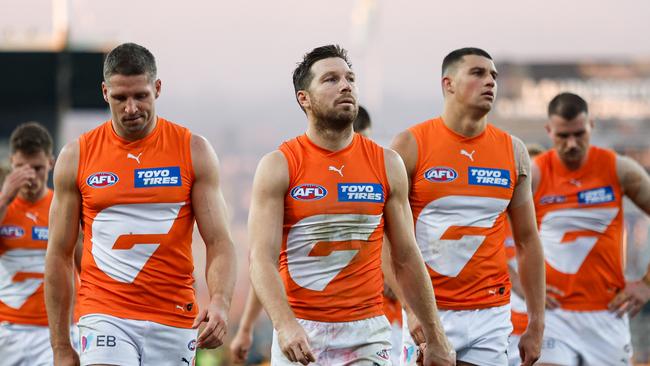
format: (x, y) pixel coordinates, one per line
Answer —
(308, 192)
(440, 174)
(102, 180)
(11, 232)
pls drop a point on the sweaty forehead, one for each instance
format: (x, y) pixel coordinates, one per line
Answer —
(332, 64)
(468, 62)
(561, 124)
(128, 81)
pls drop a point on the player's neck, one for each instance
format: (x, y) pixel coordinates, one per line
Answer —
(33, 198)
(330, 139)
(139, 135)
(464, 122)
(574, 165)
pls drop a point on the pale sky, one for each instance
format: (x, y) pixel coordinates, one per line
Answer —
(230, 62)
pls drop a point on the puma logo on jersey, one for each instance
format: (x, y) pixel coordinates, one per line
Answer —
(469, 155)
(31, 216)
(335, 169)
(136, 158)
(575, 182)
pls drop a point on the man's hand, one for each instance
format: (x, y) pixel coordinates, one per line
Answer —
(294, 343)
(631, 299)
(530, 345)
(433, 353)
(437, 354)
(214, 332)
(240, 345)
(17, 179)
(551, 301)
(66, 356)
(415, 328)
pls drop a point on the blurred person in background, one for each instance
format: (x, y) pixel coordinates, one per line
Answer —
(243, 339)
(319, 205)
(578, 190)
(519, 314)
(138, 183)
(466, 177)
(24, 207)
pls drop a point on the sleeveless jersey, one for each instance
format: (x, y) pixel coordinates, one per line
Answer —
(23, 241)
(137, 222)
(580, 218)
(333, 230)
(460, 190)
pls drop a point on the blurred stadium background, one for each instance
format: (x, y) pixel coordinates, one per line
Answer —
(226, 71)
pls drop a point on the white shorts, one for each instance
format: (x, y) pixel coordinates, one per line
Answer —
(396, 343)
(479, 336)
(586, 338)
(28, 345)
(513, 350)
(360, 342)
(110, 340)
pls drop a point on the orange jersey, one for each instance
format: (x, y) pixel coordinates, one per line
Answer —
(137, 222)
(393, 310)
(333, 230)
(517, 304)
(580, 218)
(23, 241)
(460, 190)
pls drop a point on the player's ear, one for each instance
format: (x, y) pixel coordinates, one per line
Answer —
(447, 85)
(105, 91)
(303, 99)
(158, 85)
(52, 161)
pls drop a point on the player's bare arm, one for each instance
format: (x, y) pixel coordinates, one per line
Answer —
(530, 256)
(211, 218)
(59, 266)
(265, 232)
(635, 183)
(242, 341)
(408, 265)
(407, 148)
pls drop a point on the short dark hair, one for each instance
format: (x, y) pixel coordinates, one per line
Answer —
(130, 59)
(362, 121)
(456, 56)
(567, 106)
(30, 138)
(302, 75)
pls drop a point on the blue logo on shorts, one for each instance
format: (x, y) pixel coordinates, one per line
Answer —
(361, 192)
(158, 177)
(192, 345)
(39, 233)
(596, 195)
(489, 177)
